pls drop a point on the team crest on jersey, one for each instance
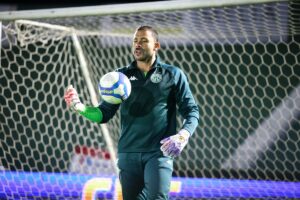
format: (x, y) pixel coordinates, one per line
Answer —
(156, 78)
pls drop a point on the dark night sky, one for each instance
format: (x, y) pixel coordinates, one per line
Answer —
(46, 4)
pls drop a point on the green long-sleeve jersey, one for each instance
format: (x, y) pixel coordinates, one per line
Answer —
(149, 114)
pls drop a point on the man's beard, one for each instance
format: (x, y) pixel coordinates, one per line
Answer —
(141, 55)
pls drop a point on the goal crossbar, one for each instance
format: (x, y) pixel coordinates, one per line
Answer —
(124, 8)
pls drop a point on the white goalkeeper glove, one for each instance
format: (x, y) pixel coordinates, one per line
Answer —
(72, 99)
(173, 145)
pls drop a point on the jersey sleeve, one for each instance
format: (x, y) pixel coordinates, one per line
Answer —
(187, 106)
(108, 110)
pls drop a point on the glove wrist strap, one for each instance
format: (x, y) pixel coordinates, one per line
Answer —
(184, 133)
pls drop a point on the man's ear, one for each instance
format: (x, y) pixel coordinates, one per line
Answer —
(156, 46)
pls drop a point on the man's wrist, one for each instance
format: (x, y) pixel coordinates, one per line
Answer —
(79, 107)
(184, 133)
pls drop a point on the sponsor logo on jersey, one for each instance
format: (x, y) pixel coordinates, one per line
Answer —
(133, 78)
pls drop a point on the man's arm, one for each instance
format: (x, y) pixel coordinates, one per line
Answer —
(173, 145)
(100, 114)
(187, 106)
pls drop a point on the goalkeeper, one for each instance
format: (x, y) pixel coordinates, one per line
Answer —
(148, 141)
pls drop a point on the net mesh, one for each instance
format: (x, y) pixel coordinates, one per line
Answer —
(242, 63)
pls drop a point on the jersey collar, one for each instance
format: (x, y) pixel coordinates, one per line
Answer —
(157, 63)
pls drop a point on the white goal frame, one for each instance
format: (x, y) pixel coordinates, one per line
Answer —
(124, 8)
(84, 68)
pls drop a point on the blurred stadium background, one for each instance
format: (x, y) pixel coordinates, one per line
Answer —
(241, 58)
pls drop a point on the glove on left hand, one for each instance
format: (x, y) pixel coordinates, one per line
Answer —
(173, 145)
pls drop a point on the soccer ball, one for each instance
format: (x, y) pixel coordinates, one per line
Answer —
(114, 87)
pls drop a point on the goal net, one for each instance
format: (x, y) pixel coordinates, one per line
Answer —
(242, 62)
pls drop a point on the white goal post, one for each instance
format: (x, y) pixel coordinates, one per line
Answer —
(83, 66)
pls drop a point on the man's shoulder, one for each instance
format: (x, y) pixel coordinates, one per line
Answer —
(122, 69)
(125, 69)
(171, 68)
(176, 72)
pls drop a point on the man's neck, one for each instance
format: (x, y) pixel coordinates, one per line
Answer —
(145, 66)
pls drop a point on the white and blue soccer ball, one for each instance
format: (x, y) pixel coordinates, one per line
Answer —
(114, 87)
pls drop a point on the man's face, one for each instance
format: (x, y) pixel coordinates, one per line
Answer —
(144, 45)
